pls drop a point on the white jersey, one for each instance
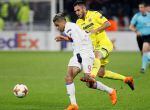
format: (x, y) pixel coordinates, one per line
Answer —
(81, 42)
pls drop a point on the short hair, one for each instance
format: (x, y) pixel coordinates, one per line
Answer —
(142, 3)
(59, 16)
(79, 2)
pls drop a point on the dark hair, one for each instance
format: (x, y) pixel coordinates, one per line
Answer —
(142, 3)
(59, 16)
(79, 2)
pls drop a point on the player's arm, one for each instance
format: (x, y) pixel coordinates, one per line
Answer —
(63, 38)
(132, 26)
(101, 28)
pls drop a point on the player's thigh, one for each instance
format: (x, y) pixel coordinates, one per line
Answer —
(103, 51)
(146, 47)
(74, 62)
(105, 56)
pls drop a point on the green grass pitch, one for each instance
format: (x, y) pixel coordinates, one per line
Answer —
(43, 73)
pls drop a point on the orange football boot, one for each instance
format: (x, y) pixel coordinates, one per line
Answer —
(113, 97)
(130, 82)
(72, 107)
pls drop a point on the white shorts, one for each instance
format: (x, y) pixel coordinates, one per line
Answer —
(86, 65)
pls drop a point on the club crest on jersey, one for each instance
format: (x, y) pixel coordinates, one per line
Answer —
(89, 19)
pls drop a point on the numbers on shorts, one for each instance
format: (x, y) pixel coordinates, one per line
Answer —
(89, 68)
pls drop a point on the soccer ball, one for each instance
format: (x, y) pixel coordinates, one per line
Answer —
(20, 90)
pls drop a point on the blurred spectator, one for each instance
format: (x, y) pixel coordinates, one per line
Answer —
(113, 27)
(4, 10)
(23, 16)
(2, 24)
(13, 9)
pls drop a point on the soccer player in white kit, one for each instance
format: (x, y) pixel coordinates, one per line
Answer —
(82, 59)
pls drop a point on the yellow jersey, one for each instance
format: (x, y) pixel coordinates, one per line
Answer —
(94, 20)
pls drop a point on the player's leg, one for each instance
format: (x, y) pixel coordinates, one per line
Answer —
(100, 86)
(97, 64)
(109, 74)
(145, 57)
(72, 72)
(73, 69)
(87, 65)
(140, 43)
(100, 53)
(112, 75)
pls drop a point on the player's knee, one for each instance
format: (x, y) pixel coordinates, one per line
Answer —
(145, 50)
(146, 47)
(101, 73)
(98, 55)
(68, 79)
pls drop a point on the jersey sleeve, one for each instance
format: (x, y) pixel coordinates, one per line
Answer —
(71, 32)
(134, 20)
(99, 17)
(67, 33)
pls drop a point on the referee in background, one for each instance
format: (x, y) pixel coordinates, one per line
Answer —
(140, 24)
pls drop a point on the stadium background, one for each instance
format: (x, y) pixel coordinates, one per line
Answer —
(27, 56)
(24, 21)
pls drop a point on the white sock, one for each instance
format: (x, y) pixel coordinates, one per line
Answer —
(71, 93)
(103, 87)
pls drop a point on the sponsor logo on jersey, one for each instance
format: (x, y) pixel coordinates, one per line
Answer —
(88, 26)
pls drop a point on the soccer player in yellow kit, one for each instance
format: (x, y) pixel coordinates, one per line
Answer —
(94, 23)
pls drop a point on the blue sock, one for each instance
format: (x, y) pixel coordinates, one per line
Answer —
(145, 60)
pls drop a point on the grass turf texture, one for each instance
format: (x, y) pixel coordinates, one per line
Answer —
(43, 73)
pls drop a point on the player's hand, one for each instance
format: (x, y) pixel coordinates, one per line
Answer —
(58, 38)
(138, 34)
(79, 58)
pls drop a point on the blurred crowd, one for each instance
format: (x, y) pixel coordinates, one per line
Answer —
(119, 12)
(24, 15)
(17, 12)
(29, 15)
